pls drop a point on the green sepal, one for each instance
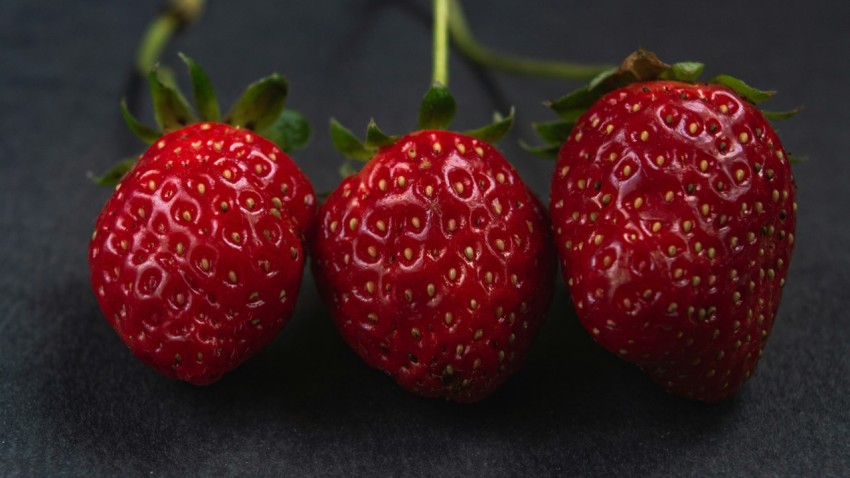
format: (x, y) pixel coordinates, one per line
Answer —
(743, 90)
(347, 168)
(144, 132)
(202, 89)
(260, 104)
(549, 151)
(641, 65)
(348, 144)
(167, 77)
(685, 71)
(578, 100)
(437, 109)
(554, 131)
(114, 174)
(793, 159)
(781, 115)
(171, 110)
(638, 67)
(602, 77)
(375, 138)
(496, 130)
(290, 131)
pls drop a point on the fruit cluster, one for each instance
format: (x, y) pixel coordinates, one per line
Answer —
(671, 211)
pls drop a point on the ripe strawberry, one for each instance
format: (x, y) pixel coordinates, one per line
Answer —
(435, 260)
(673, 210)
(197, 257)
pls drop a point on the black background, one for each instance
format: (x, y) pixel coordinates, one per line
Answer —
(74, 401)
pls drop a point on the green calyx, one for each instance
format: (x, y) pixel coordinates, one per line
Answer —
(436, 111)
(260, 108)
(638, 67)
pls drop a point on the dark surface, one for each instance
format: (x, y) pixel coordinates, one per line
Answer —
(74, 401)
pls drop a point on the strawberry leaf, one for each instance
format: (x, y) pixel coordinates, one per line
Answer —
(144, 132)
(600, 78)
(781, 115)
(437, 109)
(347, 168)
(641, 65)
(114, 174)
(290, 131)
(578, 100)
(685, 71)
(205, 99)
(554, 131)
(496, 130)
(171, 110)
(261, 104)
(348, 144)
(375, 138)
(743, 90)
(549, 151)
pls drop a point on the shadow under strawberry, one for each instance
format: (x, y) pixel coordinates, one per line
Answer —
(308, 392)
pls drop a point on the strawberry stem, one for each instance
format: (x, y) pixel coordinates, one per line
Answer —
(472, 49)
(440, 74)
(176, 15)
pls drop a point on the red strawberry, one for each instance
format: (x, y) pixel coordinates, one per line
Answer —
(673, 210)
(436, 263)
(197, 257)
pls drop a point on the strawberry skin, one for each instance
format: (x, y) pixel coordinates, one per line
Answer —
(674, 215)
(436, 262)
(197, 257)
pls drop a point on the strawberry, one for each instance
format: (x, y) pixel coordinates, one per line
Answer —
(435, 259)
(673, 210)
(196, 259)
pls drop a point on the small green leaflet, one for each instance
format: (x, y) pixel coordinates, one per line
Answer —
(496, 130)
(554, 131)
(548, 151)
(144, 132)
(781, 115)
(744, 90)
(348, 144)
(686, 71)
(171, 110)
(578, 100)
(260, 104)
(114, 174)
(347, 168)
(375, 138)
(205, 98)
(290, 131)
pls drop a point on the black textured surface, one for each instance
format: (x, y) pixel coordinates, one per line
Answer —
(73, 401)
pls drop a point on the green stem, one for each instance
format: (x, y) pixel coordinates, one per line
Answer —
(176, 15)
(469, 46)
(441, 42)
(154, 41)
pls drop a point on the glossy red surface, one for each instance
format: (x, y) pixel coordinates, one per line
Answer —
(197, 257)
(674, 216)
(437, 264)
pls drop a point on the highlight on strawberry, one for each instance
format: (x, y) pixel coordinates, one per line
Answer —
(197, 257)
(673, 208)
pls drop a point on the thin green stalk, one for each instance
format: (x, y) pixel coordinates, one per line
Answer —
(441, 42)
(472, 49)
(176, 15)
(154, 41)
